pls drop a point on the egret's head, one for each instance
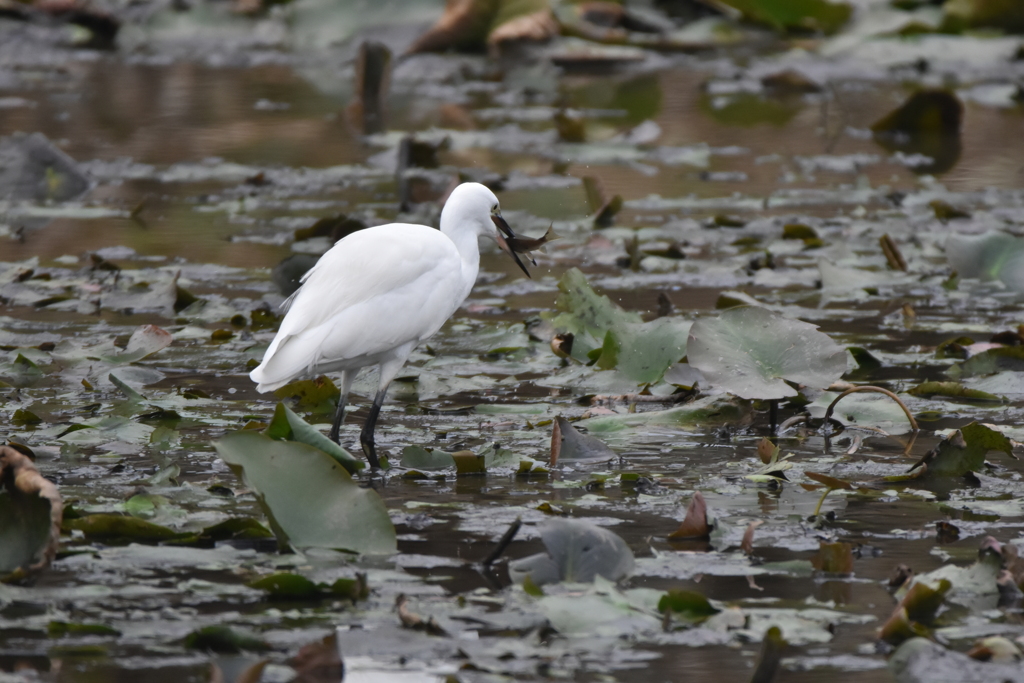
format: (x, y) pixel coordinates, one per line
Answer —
(474, 202)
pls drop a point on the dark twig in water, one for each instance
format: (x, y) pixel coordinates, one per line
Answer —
(503, 542)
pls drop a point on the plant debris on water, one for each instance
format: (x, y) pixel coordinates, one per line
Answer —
(756, 416)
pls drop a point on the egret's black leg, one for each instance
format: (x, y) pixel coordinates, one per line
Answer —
(366, 438)
(339, 417)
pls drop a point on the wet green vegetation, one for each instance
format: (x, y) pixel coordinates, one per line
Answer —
(746, 230)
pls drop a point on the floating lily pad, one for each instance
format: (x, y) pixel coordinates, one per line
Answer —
(419, 458)
(309, 498)
(992, 255)
(751, 352)
(618, 339)
(805, 15)
(577, 551)
(964, 451)
(692, 606)
(569, 445)
(288, 426)
(953, 390)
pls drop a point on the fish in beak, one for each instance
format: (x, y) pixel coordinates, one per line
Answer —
(507, 240)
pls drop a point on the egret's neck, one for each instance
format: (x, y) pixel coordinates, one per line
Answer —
(464, 236)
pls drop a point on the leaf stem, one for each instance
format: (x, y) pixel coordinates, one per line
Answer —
(879, 390)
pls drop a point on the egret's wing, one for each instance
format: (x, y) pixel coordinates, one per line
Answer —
(373, 290)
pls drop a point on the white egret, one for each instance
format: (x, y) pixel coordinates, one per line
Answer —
(379, 292)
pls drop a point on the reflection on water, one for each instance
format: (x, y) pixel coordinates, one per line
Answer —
(269, 116)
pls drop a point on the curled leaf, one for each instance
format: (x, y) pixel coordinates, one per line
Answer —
(695, 524)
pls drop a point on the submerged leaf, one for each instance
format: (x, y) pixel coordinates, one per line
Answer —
(751, 351)
(310, 500)
(224, 639)
(834, 558)
(928, 123)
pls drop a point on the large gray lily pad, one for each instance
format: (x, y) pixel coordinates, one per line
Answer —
(993, 255)
(750, 351)
(308, 497)
(577, 551)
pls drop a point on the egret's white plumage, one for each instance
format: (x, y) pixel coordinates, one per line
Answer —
(374, 296)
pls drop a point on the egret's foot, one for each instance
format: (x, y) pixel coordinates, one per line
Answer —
(369, 450)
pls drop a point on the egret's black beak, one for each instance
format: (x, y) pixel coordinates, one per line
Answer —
(504, 234)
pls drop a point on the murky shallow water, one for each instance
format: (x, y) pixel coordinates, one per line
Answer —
(176, 152)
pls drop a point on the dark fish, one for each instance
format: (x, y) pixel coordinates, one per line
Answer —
(513, 246)
(523, 245)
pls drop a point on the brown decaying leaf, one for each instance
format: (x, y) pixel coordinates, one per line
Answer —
(319, 660)
(834, 558)
(892, 253)
(470, 24)
(539, 26)
(747, 546)
(831, 482)
(695, 525)
(766, 449)
(412, 620)
(18, 473)
(556, 443)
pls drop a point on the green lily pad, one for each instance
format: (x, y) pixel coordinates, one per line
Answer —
(419, 458)
(703, 413)
(689, 605)
(952, 390)
(787, 15)
(990, 362)
(308, 497)
(288, 426)
(286, 586)
(964, 451)
(751, 351)
(120, 528)
(616, 338)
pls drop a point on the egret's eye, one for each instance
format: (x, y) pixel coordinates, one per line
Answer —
(494, 209)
